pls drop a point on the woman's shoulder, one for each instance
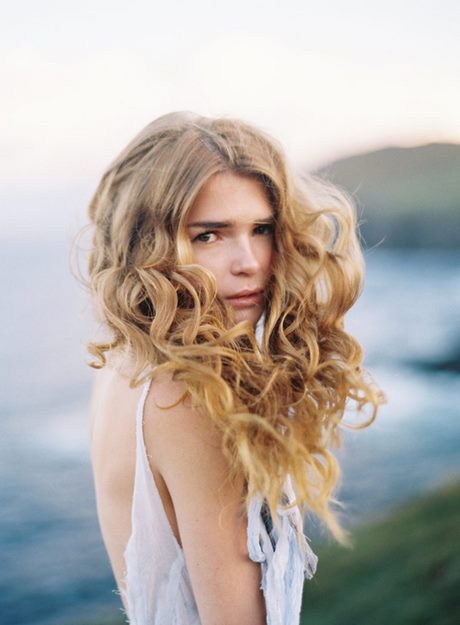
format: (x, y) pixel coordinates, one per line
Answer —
(170, 420)
(166, 393)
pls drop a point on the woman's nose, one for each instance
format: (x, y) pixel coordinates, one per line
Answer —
(244, 258)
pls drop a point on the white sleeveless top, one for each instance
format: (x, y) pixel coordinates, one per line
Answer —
(157, 585)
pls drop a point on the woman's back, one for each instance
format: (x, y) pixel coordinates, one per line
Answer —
(113, 451)
(136, 520)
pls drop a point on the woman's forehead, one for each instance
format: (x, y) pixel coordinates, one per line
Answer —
(228, 197)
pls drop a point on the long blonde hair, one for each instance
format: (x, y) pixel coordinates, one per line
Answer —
(278, 404)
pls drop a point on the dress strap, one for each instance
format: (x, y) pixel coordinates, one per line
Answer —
(145, 486)
(140, 409)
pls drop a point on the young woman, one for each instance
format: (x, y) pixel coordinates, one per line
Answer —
(223, 282)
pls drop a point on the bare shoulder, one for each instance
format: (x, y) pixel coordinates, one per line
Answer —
(173, 428)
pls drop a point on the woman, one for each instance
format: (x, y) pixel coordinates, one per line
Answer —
(209, 439)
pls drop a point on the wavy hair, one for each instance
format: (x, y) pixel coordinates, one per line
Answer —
(279, 402)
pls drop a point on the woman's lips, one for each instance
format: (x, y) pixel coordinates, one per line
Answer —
(243, 301)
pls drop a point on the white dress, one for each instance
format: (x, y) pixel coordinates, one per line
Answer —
(157, 584)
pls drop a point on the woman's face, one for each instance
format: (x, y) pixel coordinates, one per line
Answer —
(231, 229)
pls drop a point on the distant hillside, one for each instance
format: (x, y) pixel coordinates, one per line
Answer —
(404, 570)
(410, 197)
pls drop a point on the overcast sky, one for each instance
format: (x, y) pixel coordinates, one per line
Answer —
(79, 79)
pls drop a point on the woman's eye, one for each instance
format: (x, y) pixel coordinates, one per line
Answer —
(264, 229)
(206, 237)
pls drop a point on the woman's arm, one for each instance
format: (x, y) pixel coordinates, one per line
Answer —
(186, 450)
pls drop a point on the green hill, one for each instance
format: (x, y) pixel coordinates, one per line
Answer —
(403, 570)
(407, 197)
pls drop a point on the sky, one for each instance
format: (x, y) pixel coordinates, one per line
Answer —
(328, 79)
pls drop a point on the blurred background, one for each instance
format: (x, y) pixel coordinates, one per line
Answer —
(367, 94)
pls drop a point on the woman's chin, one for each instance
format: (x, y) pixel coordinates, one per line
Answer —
(252, 315)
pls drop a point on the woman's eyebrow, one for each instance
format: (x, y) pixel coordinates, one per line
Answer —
(226, 224)
(210, 224)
